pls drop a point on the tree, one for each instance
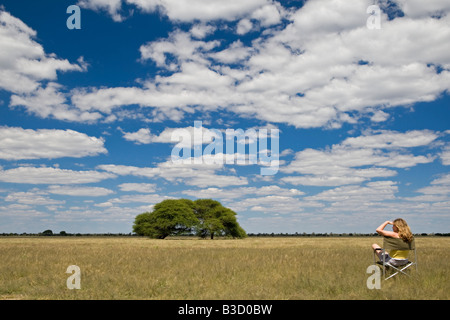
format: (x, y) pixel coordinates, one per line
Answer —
(47, 233)
(215, 219)
(204, 217)
(169, 217)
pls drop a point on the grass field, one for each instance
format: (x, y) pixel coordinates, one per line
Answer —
(252, 268)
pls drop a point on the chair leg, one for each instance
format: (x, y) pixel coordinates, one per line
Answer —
(391, 276)
(399, 270)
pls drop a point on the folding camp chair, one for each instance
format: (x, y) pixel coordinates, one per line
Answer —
(390, 243)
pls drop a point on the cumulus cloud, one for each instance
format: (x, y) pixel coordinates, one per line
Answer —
(25, 67)
(142, 136)
(443, 180)
(203, 10)
(287, 74)
(18, 143)
(266, 11)
(183, 137)
(82, 191)
(112, 7)
(445, 156)
(288, 69)
(140, 198)
(52, 102)
(358, 159)
(34, 198)
(49, 175)
(374, 191)
(393, 139)
(244, 26)
(239, 192)
(201, 175)
(201, 30)
(438, 192)
(138, 187)
(419, 9)
(269, 204)
(23, 61)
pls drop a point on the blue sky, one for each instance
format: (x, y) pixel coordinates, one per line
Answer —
(87, 116)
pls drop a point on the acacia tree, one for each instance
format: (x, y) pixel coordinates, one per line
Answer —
(215, 219)
(204, 217)
(169, 217)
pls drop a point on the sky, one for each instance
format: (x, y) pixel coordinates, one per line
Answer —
(352, 103)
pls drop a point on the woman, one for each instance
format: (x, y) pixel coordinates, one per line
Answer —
(400, 229)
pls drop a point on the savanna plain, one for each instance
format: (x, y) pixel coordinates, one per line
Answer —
(291, 268)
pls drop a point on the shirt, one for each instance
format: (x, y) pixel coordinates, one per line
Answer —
(399, 254)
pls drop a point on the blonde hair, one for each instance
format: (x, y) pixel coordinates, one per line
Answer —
(404, 231)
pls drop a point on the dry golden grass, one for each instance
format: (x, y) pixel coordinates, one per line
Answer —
(253, 268)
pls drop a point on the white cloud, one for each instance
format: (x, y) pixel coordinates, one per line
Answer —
(201, 175)
(433, 190)
(266, 11)
(358, 159)
(203, 10)
(324, 64)
(386, 139)
(438, 192)
(244, 26)
(323, 180)
(138, 187)
(24, 66)
(280, 65)
(182, 137)
(235, 193)
(379, 116)
(419, 9)
(269, 204)
(236, 52)
(374, 191)
(23, 62)
(445, 156)
(179, 44)
(51, 102)
(140, 198)
(199, 31)
(31, 198)
(113, 7)
(439, 187)
(48, 175)
(82, 191)
(268, 15)
(444, 180)
(325, 17)
(142, 136)
(17, 143)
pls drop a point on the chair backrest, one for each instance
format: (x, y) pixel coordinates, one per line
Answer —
(390, 243)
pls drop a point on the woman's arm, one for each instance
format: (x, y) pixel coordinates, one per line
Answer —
(380, 230)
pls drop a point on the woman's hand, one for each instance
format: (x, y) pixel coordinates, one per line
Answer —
(380, 230)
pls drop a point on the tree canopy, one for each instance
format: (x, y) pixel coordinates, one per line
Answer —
(169, 217)
(215, 219)
(203, 217)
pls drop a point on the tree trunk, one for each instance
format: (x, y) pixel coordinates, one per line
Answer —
(212, 235)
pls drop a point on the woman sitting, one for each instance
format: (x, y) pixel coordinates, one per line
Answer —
(401, 230)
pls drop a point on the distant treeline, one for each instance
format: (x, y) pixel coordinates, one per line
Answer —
(49, 233)
(331, 234)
